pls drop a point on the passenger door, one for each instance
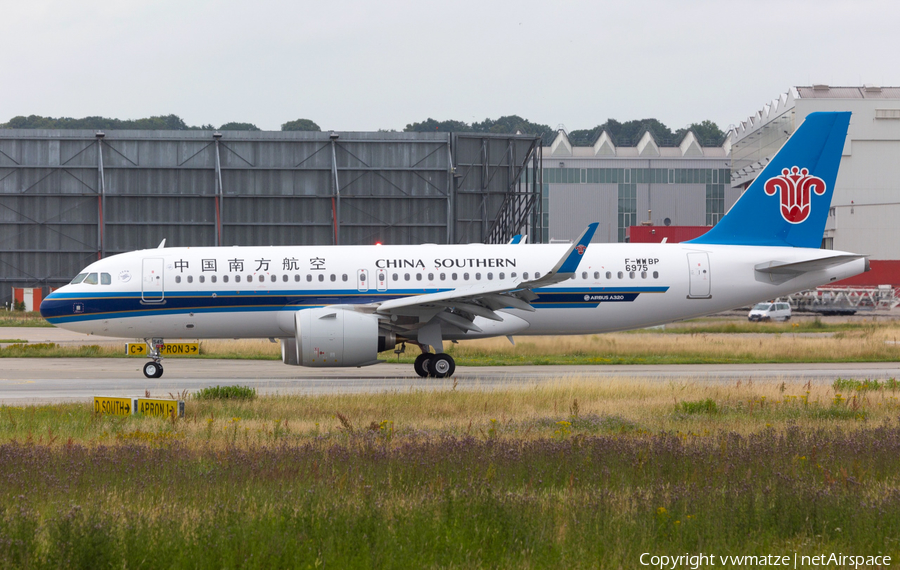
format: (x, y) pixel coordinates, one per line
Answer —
(698, 263)
(152, 288)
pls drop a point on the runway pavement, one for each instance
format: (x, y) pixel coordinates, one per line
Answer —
(33, 380)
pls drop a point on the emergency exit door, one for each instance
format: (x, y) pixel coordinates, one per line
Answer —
(698, 264)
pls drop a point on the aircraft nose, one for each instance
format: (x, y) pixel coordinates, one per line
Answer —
(51, 305)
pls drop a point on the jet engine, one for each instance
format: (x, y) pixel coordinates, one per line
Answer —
(335, 337)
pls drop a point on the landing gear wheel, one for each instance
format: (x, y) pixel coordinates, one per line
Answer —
(442, 365)
(153, 370)
(421, 365)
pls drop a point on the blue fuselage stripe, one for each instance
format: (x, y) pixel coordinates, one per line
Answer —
(61, 307)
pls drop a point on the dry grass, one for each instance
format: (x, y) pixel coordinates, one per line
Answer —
(868, 341)
(857, 345)
(455, 478)
(613, 405)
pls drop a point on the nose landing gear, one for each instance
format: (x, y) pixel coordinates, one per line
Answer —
(154, 369)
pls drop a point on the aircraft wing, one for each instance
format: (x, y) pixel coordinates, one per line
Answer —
(460, 306)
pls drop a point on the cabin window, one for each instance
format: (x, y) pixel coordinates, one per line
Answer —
(321, 278)
(453, 276)
(418, 276)
(105, 279)
(91, 279)
(202, 279)
(490, 276)
(502, 276)
(297, 277)
(395, 277)
(620, 275)
(273, 278)
(537, 274)
(249, 278)
(465, 276)
(308, 278)
(213, 278)
(443, 276)
(362, 277)
(237, 278)
(431, 276)
(178, 279)
(631, 274)
(643, 274)
(284, 278)
(525, 275)
(609, 274)
(344, 277)
(333, 277)
(584, 274)
(596, 275)
(224, 279)
(513, 274)
(656, 274)
(190, 278)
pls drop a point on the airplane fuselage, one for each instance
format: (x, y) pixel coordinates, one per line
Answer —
(254, 292)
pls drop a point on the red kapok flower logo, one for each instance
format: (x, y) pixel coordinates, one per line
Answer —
(795, 186)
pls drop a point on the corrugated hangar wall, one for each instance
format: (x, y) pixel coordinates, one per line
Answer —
(69, 197)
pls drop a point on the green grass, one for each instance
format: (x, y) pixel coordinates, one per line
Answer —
(696, 342)
(707, 406)
(743, 327)
(581, 475)
(226, 393)
(23, 319)
(51, 350)
(848, 384)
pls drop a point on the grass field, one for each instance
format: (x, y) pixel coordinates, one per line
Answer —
(696, 342)
(22, 319)
(569, 474)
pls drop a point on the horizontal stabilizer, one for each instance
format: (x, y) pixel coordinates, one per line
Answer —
(794, 268)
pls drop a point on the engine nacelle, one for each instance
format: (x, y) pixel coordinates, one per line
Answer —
(289, 351)
(331, 336)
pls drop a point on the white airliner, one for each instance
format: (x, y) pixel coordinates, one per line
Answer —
(341, 305)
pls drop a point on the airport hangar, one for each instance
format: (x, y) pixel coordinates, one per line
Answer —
(646, 190)
(69, 197)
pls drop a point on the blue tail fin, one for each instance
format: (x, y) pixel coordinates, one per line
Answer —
(788, 203)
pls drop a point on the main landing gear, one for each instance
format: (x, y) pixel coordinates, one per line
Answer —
(154, 369)
(434, 365)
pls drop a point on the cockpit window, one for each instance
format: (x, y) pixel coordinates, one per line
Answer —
(91, 279)
(78, 279)
(105, 279)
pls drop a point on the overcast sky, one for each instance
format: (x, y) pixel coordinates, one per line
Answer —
(354, 65)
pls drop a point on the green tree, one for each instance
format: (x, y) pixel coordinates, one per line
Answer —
(707, 132)
(239, 127)
(585, 137)
(430, 125)
(300, 125)
(513, 124)
(161, 122)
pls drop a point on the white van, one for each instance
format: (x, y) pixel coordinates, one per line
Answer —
(770, 312)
